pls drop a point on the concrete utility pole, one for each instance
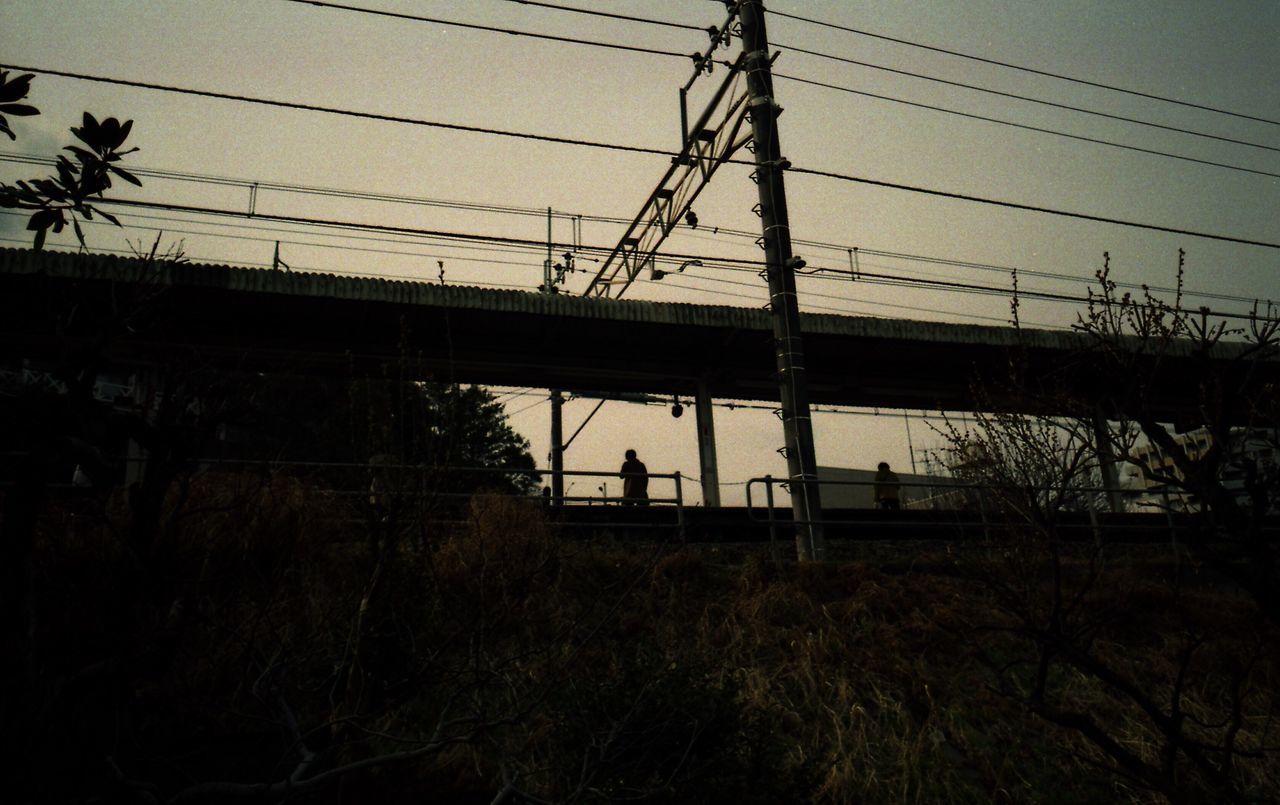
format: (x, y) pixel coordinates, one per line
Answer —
(806, 504)
(557, 398)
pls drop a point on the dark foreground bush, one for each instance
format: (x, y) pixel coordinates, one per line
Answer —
(261, 653)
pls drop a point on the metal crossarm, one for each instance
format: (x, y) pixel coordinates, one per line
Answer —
(704, 151)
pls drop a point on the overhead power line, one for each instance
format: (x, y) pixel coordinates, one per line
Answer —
(1032, 208)
(627, 149)
(1031, 70)
(707, 261)
(696, 57)
(1027, 127)
(309, 107)
(1013, 96)
(541, 212)
(299, 268)
(594, 13)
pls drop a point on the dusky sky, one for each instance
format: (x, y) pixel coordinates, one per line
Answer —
(868, 123)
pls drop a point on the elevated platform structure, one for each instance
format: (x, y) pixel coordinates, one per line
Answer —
(272, 320)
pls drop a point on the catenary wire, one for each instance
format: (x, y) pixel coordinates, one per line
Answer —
(871, 279)
(844, 310)
(707, 232)
(892, 280)
(642, 150)
(311, 245)
(422, 278)
(302, 269)
(1032, 70)
(735, 264)
(1027, 127)
(536, 247)
(334, 192)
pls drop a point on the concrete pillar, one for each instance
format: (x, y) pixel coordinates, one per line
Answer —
(1107, 461)
(710, 470)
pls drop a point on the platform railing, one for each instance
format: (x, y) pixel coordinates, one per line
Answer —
(381, 481)
(963, 497)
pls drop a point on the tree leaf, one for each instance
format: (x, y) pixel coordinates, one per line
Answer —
(19, 109)
(84, 156)
(15, 89)
(110, 133)
(41, 220)
(39, 242)
(124, 174)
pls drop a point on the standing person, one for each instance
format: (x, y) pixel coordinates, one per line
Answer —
(635, 481)
(886, 488)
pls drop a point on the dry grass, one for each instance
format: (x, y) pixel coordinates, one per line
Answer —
(683, 675)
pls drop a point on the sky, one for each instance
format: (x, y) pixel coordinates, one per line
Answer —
(869, 123)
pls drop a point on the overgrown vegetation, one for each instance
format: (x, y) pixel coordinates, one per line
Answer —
(269, 656)
(1066, 619)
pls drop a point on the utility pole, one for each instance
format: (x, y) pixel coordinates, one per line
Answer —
(780, 265)
(557, 399)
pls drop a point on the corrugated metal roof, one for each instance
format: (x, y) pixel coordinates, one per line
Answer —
(372, 289)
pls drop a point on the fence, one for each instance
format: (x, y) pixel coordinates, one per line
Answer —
(383, 488)
(1080, 511)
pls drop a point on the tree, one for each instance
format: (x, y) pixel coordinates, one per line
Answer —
(1229, 392)
(67, 195)
(1065, 612)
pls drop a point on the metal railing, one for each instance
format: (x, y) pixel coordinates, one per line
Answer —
(1088, 506)
(384, 482)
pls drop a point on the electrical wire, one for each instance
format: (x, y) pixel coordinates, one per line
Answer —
(696, 57)
(312, 245)
(628, 18)
(307, 107)
(710, 262)
(1030, 207)
(299, 269)
(1027, 127)
(529, 407)
(1014, 96)
(332, 192)
(969, 264)
(707, 232)
(904, 281)
(845, 310)
(642, 150)
(1032, 70)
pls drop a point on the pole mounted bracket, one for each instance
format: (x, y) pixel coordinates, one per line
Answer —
(705, 149)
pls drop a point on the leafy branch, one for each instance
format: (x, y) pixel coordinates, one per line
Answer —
(12, 91)
(68, 195)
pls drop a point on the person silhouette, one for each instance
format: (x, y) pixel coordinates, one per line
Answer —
(886, 487)
(635, 481)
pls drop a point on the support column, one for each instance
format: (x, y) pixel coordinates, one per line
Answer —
(557, 448)
(797, 423)
(1107, 461)
(146, 389)
(710, 470)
